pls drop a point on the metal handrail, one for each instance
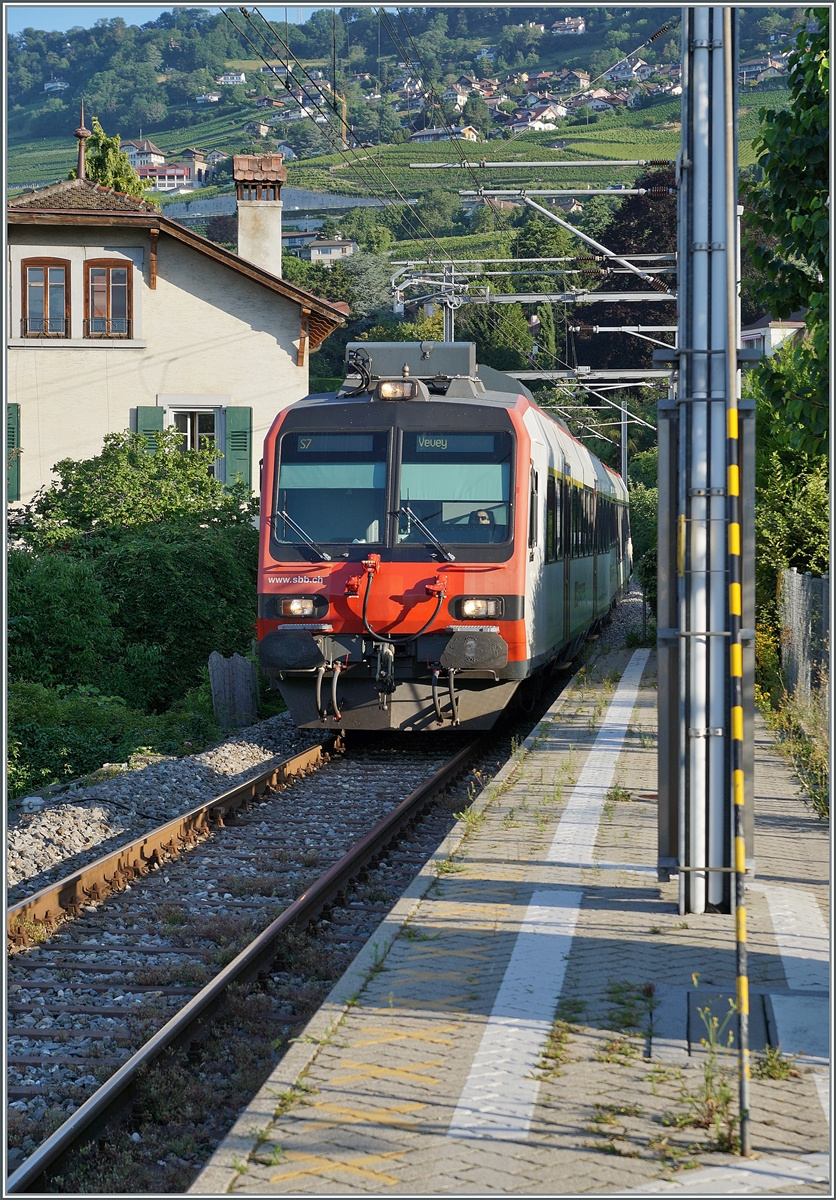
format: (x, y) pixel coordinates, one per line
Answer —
(44, 327)
(119, 327)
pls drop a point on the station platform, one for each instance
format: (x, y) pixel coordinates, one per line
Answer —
(529, 1017)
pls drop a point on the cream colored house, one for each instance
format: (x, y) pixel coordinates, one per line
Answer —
(121, 318)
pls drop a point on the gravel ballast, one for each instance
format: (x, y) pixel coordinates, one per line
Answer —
(86, 821)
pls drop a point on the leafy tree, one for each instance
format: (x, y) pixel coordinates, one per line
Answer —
(475, 113)
(597, 216)
(790, 213)
(547, 337)
(388, 123)
(503, 339)
(223, 228)
(107, 164)
(125, 486)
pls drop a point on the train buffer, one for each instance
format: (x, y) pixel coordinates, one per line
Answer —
(535, 1016)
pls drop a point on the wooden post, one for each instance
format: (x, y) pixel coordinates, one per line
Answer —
(234, 684)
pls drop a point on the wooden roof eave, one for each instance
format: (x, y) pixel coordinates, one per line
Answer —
(324, 319)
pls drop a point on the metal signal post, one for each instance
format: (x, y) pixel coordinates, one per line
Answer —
(706, 523)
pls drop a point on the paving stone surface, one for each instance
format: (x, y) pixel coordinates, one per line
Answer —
(618, 1085)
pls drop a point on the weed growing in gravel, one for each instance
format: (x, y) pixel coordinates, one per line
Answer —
(711, 1105)
(449, 866)
(631, 1007)
(275, 1156)
(473, 820)
(570, 1008)
(617, 1049)
(619, 795)
(774, 1064)
(556, 1050)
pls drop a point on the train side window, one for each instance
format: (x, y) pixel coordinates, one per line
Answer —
(551, 516)
(532, 511)
(558, 517)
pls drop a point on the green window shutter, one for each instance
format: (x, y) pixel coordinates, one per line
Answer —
(238, 448)
(149, 420)
(12, 452)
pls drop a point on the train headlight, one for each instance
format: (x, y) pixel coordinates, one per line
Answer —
(478, 606)
(398, 389)
(299, 606)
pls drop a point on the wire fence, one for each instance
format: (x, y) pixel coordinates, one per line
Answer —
(805, 633)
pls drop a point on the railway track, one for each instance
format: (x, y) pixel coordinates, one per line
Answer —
(136, 953)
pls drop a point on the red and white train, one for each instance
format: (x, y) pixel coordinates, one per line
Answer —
(430, 539)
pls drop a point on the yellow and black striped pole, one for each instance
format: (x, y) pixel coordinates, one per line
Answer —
(735, 588)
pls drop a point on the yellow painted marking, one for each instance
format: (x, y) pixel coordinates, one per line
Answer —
(395, 1115)
(316, 1165)
(734, 538)
(734, 600)
(737, 661)
(734, 480)
(740, 855)
(448, 1002)
(414, 976)
(737, 784)
(437, 952)
(732, 423)
(412, 1074)
(680, 545)
(743, 994)
(398, 1035)
(741, 924)
(737, 723)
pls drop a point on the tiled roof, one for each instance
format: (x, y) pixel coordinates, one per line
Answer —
(81, 194)
(259, 168)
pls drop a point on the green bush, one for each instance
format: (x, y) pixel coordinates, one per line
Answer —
(125, 575)
(183, 590)
(644, 503)
(57, 734)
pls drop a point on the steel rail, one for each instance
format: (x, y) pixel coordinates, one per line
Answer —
(111, 872)
(115, 1094)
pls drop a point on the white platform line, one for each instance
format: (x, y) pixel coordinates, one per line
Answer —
(746, 1178)
(499, 1095)
(498, 1098)
(802, 936)
(574, 839)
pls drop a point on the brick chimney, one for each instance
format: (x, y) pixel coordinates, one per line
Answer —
(258, 182)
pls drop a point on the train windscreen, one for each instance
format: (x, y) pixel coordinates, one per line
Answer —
(456, 484)
(332, 487)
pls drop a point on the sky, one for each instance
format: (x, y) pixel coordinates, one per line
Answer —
(65, 16)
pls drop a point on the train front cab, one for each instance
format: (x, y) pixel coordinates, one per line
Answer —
(419, 560)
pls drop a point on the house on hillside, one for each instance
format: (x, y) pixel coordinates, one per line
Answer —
(171, 177)
(216, 156)
(55, 86)
(197, 165)
(466, 132)
(259, 128)
(455, 95)
(119, 317)
(572, 81)
(208, 97)
(570, 26)
(328, 250)
(143, 153)
(767, 335)
(231, 79)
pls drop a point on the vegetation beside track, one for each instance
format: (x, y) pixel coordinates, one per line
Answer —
(123, 577)
(786, 241)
